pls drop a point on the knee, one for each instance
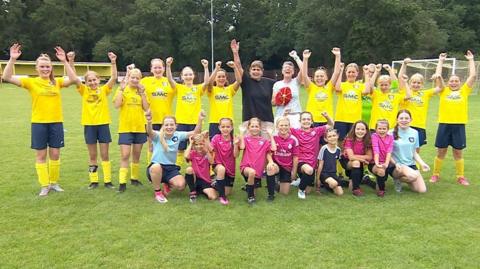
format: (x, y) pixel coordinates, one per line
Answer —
(380, 172)
(220, 170)
(332, 183)
(356, 164)
(457, 154)
(338, 190)
(307, 169)
(189, 170)
(156, 169)
(212, 196)
(251, 173)
(441, 152)
(272, 170)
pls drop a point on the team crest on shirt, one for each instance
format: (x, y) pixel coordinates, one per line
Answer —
(189, 98)
(93, 98)
(221, 97)
(417, 100)
(321, 96)
(261, 143)
(289, 146)
(391, 97)
(194, 89)
(159, 93)
(454, 96)
(411, 139)
(175, 139)
(386, 105)
(313, 133)
(350, 95)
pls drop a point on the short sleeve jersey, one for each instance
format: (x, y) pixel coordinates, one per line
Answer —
(384, 106)
(255, 154)
(294, 104)
(159, 96)
(418, 107)
(349, 104)
(224, 153)
(169, 157)
(220, 100)
(200, 165)
(95, 110)
(329, 158)
(404, 147)
(46, 99)
(257, 98)
(309, 144)
(356, 146)
(453, 106)
(320, 99)
(287, 148)
(131, 117)
(189, 103)
(382, 146)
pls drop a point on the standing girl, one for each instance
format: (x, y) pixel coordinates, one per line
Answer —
(404, 154)
(131, 100)
(357, 152)
(96, 119)
(285, 157)
(382, 146)
(189, 101)
(308, 147)
(162, 169)
(256, 152)
(47, 118)
(220, 96)
(327, 164)
(452, 117)
(320, 92)
(225, 149)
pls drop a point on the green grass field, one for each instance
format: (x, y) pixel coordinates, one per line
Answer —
(81, 228)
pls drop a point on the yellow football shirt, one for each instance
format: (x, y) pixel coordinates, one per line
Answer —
(320, 99)
(160, 97)
(221, 103)
(131, 117)
(46, 99)
(453, 106)
(349, 104)
(384, 106)
(189, 103)
(418, 107)
(95, 109)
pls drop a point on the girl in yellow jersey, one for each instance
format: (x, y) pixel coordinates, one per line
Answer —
(130, 98)
(349, 103)
(220, 96)
(96, 119)
(47, 118)
(419, 99)
(320, 92)
(189, 101)
(385, 102)
(452, 117)
(159, 96)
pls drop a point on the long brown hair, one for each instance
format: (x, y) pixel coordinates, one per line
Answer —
(366, 140)
(395, 129)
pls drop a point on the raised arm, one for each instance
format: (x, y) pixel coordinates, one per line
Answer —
(297, 60)
(198, 127)
(187, 151)
(211, 79)
(330, 122)
(206, 74)
(238, 75)
(338, 83)
(370, 81)
(235, 47)
(472, 73)
(141, 91)
(441, 59)
(15, 53)
(304, 68)
(403, 71)
(168, 63)
(337, 68)
(72, 77)
(408, 90)
(439, 83)
(114, 73)
(150, 131)
(236, 146)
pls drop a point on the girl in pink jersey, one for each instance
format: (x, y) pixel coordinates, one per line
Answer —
(285, 157)
(198, 174)
(382, 146)
(357, 151)
(225, 149)
(308, 148)
(256, 152)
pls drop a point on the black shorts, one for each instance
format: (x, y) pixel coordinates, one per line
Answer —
(169, 171)
(391, 168)
(284, 176)
(324, 176)
(47, 135)
(201, 184)
(156, 126)
(449, 134)
(342, 128)
(184, 128)
(132, 138)
(422, 136)
(94, 133)
(299, 172)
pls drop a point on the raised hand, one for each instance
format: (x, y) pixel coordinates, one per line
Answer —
(242, 129)
(236, 140)
(204, 63)
(306, 54)
(111, 56)
(231, 64)
(169, 61)
(15, 51)
(407, 60)
(130, 67)
(365, 69)
(469, 55)
(293, 54)
(387, 67)
(442, 56)
(234, 45)
(378, 67)
(71, 56)
(269, 131)
(336, 51)
(60, 53)
(218, 64)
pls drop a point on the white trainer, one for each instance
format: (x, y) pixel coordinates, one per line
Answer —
(301, 194)
(296, 182)
(56, 187)
(44, 191)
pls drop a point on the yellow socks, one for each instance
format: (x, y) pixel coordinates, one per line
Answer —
(437, 166)
(149, 157)
(180, 158)
(42, 174)
(93, 173)
(134, 171)
(459, 168)
(107, 172)
(54, 170)
(340, 170)
(122, 175)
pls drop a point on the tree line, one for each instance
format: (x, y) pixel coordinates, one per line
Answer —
(366, 30)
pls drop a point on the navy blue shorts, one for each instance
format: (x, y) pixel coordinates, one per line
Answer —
(422, 136)
(324, 176)
(449, 134)
(132, 138)
(184, 128)
(47, 135)
(169, 171)
(391, 168)
(201, 184)
(94, 133)
(284, 176)
(342, 128)
(156, 126)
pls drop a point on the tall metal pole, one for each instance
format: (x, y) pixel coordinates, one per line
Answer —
(211, 32)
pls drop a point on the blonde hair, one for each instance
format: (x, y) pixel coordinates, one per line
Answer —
(91, 73)
(45, 57)
(417, 76)
(156, 60)
(383, 78)
(354, 65)
(283, 118)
